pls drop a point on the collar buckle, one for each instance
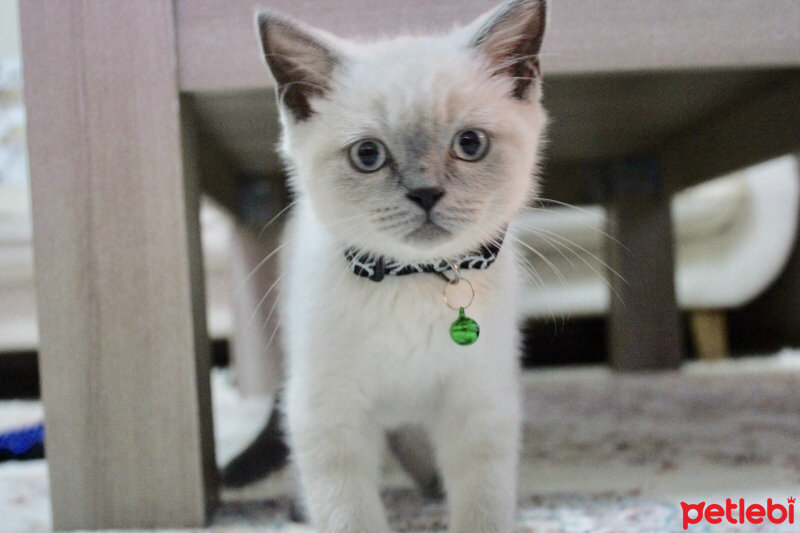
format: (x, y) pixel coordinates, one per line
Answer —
(379, 271)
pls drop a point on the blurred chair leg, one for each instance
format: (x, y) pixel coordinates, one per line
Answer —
(124, 353)
(710, 333)
(644, 322)
(256, 345)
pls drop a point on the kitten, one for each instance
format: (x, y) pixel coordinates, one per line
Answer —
(408, 158)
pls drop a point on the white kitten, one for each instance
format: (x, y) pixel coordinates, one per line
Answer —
(419, 151)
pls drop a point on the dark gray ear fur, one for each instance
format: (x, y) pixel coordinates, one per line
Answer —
(511, 38)
(299, 61)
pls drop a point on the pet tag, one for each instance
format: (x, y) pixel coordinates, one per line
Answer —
(464, 331)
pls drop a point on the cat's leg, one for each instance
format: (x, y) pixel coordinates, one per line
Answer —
(337, 450)
(477, 446)
(413, 449)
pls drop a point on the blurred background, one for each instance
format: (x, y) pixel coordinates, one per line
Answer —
(736, 257)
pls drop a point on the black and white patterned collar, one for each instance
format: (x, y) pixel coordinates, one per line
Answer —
(376, 267)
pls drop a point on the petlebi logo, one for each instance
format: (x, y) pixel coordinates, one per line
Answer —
(738, 512)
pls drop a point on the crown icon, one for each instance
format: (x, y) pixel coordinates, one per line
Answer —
(790, 500)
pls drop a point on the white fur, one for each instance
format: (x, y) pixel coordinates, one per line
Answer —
(365, 357)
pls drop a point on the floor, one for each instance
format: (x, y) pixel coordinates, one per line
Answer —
(603, 452)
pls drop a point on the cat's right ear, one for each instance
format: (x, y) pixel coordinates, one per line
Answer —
(299, 61)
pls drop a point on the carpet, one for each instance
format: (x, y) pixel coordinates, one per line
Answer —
(603, 452)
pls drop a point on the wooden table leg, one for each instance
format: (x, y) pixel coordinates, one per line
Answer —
(124, 352)
(644, 323)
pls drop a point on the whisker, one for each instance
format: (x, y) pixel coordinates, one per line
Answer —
(582, 223)
(593, 269)
(558, 237)
(270, 255)
(396, 225)
(531, 275)
(460, 209)
(273, 219)
(387, 218)
(380, 210)
(275, 304)
(274, 331)
(542, 284)
(555, 244)
(261, 302)
(258, 266)
(271, 311)
(542, 257)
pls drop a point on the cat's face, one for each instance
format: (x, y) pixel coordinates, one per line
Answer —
(416, 148)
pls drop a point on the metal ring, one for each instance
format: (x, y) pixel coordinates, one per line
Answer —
(455, 282)
(454, 268)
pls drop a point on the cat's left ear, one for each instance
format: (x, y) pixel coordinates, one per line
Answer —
(510, 37)
(299, 59)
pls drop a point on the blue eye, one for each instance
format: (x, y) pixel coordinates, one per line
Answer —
(470, 145)
(368, 155)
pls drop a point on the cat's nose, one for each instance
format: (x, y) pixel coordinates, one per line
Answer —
(425, 197)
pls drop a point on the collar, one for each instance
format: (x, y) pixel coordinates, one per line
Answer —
(376, 267)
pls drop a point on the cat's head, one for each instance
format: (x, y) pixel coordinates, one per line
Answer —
(415, 148)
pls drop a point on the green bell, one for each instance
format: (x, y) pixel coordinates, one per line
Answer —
(464, 330)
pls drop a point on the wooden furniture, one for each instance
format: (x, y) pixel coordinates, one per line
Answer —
(133, 106)
(123, 347)
(734, 237)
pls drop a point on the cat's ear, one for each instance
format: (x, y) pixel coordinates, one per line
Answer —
(510, 37)
(300, 61)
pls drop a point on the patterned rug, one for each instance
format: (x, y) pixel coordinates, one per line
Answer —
(556, 513)
(603, 452)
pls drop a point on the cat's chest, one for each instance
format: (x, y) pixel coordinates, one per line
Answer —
(406, 350)
(398, 328)
(401, 318)
(390, 340)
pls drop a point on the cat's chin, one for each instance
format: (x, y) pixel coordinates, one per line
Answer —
(428, 235)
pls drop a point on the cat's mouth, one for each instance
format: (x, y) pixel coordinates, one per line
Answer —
(429, 232)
